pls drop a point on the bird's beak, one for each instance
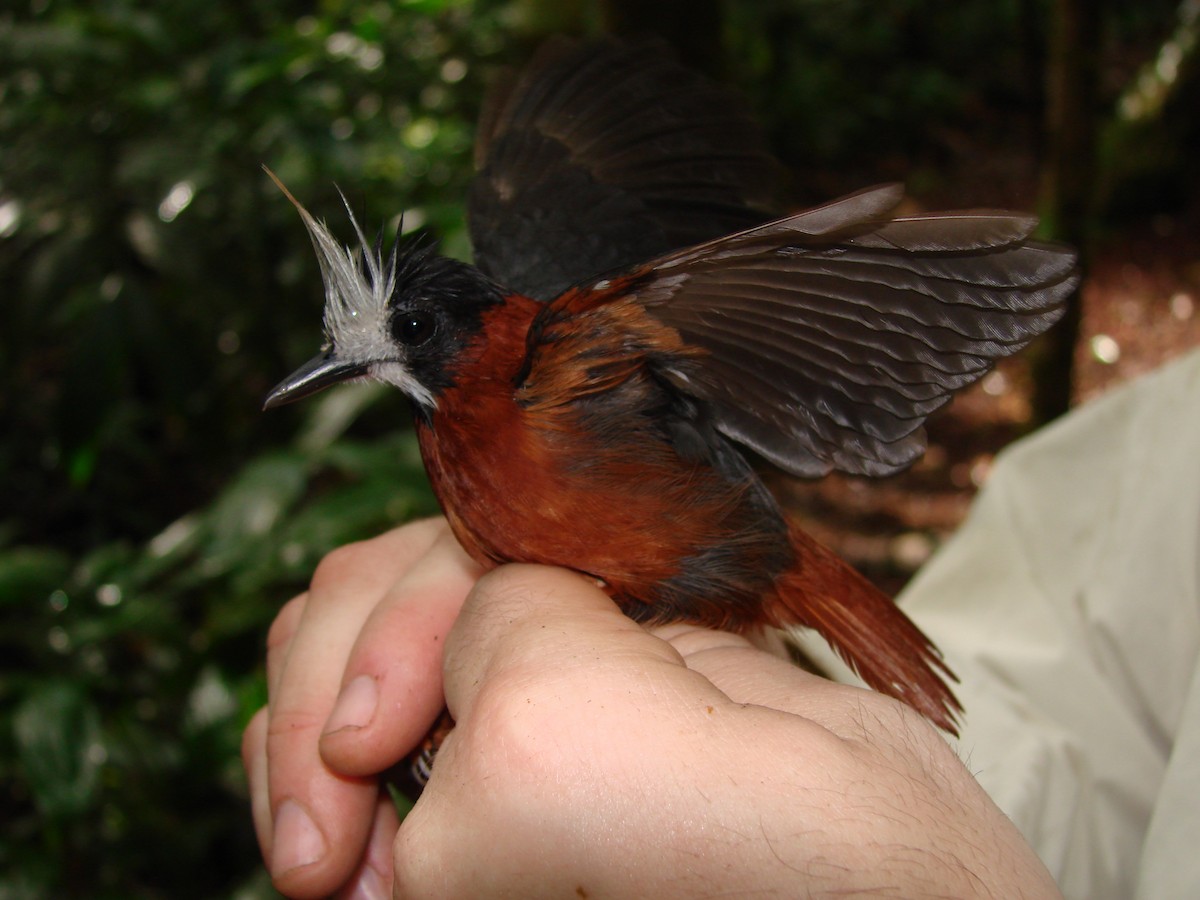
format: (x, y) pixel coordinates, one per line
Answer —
(315, 375)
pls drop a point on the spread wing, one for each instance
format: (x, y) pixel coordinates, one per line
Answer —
(604, 155)
(828, 337)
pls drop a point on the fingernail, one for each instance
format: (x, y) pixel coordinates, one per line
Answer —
(298, 841)
(369, 886)
(355, 707)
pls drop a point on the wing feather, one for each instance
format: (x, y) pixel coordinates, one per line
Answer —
(602, 155)
(828, 337)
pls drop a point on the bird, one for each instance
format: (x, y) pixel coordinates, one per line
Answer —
(640, 333)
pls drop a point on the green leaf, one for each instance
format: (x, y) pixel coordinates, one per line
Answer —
(248, 511)
(333, 413)
(28, 573)
(58, 744)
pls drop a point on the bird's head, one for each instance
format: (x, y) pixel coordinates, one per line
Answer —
(403, 318)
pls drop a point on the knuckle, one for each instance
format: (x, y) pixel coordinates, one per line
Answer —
(337, 565)
(515, 595)
(407, 854)
(286, 723)
(431, 528)
(254, 737)
(690, 640)
(514, 582)
(283, 629)
(420, 851)
(514, 719)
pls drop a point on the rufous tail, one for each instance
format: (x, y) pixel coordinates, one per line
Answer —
(866, 628)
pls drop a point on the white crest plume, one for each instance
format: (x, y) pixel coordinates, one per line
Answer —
(358, 284)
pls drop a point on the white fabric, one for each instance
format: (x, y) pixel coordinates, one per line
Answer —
(1069, 606)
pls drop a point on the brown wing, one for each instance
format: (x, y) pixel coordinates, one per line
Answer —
(828, 337)
(603, 155)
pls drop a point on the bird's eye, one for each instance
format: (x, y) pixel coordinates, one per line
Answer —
(412, 328)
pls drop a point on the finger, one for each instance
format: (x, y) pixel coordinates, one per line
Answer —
(749, 675)
(254, 761)
(391, 691)
(279, 638)
(321, 818)
(373, 879)
(741, 670)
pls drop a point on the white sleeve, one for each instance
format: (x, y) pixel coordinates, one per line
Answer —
(1069, 606)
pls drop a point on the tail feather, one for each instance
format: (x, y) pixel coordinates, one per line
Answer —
(867, 630)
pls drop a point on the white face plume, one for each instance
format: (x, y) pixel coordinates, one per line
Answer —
(359, 283)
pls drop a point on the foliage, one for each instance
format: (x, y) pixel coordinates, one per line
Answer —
(938, 95)
(1148, 147)
(856, 82)
(129, 673)
(155, 660)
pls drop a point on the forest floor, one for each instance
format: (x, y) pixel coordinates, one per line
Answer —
(1141, 308)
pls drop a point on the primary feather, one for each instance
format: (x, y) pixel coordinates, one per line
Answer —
(831, 335)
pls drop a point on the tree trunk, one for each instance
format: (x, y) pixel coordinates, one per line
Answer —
(1068, 176)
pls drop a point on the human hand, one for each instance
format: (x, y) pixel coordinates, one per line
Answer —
(354, 672)
(594, 758)
(593, 754)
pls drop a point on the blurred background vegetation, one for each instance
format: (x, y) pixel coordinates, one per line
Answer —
(155, 285)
